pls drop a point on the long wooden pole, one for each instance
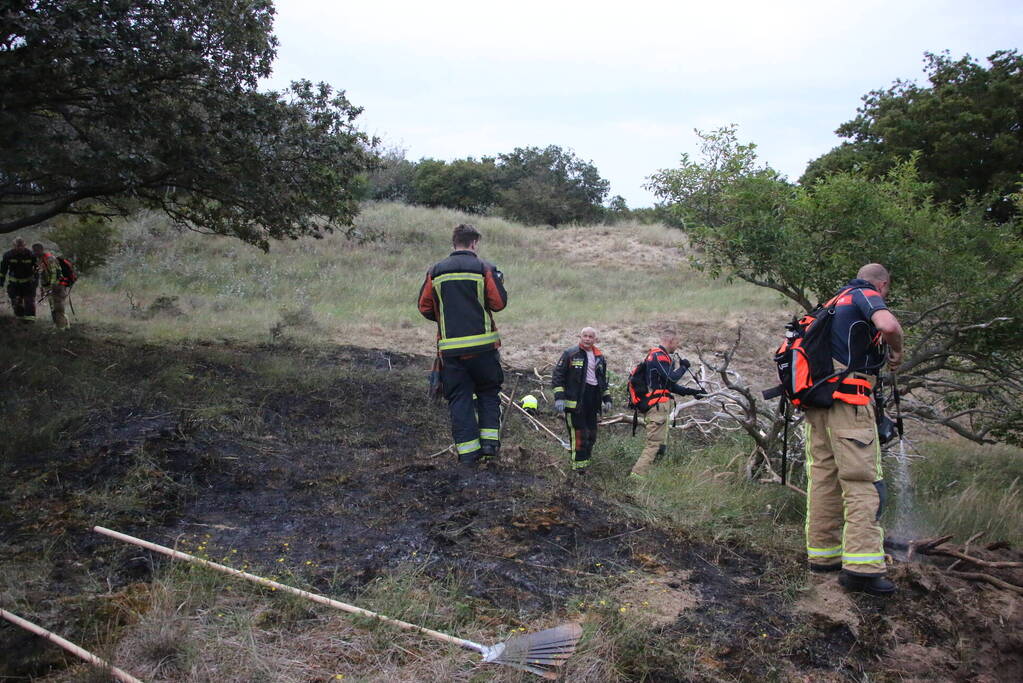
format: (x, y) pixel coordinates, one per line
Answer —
(69, 646)
(323, 600)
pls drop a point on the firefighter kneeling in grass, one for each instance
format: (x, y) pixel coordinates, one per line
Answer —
(460, 293)
(580, 389)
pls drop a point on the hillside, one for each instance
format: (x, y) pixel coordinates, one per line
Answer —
(273, 417)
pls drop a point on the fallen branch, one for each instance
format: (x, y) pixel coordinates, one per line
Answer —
(987, 578)
(973, 560)
(533, 420)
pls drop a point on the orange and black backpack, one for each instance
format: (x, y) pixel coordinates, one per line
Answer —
(639, 388)
(805, 366)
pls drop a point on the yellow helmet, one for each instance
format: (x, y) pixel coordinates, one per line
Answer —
(528, 402)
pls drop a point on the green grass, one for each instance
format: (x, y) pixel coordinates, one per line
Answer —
(963, 488)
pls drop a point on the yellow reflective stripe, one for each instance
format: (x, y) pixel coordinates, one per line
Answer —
(571, 404)
(448, 277)
(808, 464)
(571, 436)
(11, 278)
(464, 342)
(559, 390)
(488, 434)
(824, 552)
(862, 558)
(468, 446)
(580, 464)
(440, 309)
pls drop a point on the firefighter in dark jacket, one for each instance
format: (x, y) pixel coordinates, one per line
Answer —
(662, 375)
(460, 293)
(580, 389)
(18, 272)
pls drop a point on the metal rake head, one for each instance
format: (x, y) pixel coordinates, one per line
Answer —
(540, 653)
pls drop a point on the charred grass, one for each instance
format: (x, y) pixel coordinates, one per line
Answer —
(318, 466)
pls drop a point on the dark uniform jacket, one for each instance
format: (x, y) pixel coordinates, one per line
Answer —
(460, 293)
(662, 378)
(18, 266)
(570, 376)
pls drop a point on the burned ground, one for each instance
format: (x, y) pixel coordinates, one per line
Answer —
(321, 466)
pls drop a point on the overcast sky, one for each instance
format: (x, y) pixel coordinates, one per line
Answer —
(623, 84)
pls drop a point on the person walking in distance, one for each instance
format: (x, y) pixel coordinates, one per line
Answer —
(845, 490)
(662, 375)
(580, 390)
(52, 284)
(461, 293)
(18, 272)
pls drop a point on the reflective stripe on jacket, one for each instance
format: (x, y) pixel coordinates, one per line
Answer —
(569, 376)
(460, 293)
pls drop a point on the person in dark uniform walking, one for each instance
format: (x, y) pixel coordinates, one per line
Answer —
(18, 272)
(460, 294)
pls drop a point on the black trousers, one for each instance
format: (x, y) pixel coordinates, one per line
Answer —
(23, 299)
(473, 418)
(582, 426)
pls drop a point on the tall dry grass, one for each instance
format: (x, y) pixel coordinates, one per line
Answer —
(166, 284)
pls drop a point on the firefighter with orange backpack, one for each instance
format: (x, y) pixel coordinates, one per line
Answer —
(845, 489)
(56, 276)
(658, 376)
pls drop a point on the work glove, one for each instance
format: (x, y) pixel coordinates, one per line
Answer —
(683, 364)
(559, 406)
(698, 393)
(607, 404)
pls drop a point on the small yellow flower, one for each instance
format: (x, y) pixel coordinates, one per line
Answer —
(308, 561)
(603, 602)
(280, 559)
(338, 677)
(622, 610)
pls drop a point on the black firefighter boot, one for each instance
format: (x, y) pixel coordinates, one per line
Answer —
(872, 584)
(490, 450)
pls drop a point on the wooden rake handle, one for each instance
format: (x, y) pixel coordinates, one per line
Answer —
(69, 646)
(323, 600)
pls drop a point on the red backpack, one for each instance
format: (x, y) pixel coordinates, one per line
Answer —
(68, 276)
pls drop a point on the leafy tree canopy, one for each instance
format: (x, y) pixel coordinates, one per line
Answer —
(108, 104)
(550, 186)
(966, 127)
(957, 280)
(464, 184)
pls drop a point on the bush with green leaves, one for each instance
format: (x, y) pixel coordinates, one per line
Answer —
(957, 277)
(87, 240)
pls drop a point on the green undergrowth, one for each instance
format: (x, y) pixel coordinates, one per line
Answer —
(963, 488)
(700, 486)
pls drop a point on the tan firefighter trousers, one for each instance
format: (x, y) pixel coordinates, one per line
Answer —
(843, 503)
(656, 420)
(56, 297)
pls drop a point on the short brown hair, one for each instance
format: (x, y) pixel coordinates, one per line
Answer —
(464, 235)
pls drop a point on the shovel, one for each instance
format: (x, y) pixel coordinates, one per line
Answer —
(539, 653)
